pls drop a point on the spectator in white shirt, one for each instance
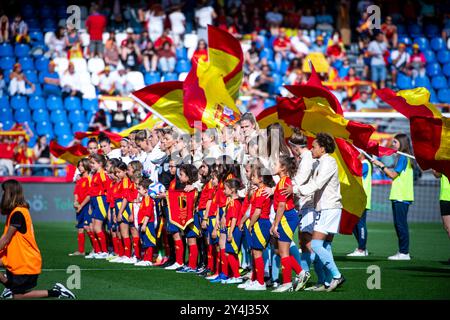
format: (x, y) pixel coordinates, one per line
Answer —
(204, 16)
(155, 21)
(107, 82)
(122, 85)
(177, 21)
(211, 149)
(300, 43)
(57, 44)
(399, 60)
(364, 102)
(71, 83)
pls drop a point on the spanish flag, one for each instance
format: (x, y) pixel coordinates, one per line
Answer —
(212, 86)
(148, 123)
(165, 100)
(114, 137)
(71, 154)
(270, 116)
(430, 130)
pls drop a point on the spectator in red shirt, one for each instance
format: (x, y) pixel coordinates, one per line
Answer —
(201, 51)
(282, 44)
(96, 25)
(6, 156)
(164, 38)
(166, 58)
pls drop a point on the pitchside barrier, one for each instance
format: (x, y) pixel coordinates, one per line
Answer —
(53, 201)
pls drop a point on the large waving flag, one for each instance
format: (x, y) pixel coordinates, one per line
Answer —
(114, 137)
(430, 130)
(211, 87)
(165, 100)
(270, 116)
(71, 154)
(149, 122)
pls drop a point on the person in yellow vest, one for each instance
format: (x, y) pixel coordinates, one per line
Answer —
(360, 230)
(19, 252)
(444, 200)
(402, 192)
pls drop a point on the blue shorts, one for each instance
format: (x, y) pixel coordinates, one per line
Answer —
(221, 211)
(378, 73)
(235, 244)
(82, 216)
(126, 213)
(287, 226)
(194, 229)
(211, 224)
(99, 207)
(261, 234)
(247, 235)
(170, 227)
(148, 238)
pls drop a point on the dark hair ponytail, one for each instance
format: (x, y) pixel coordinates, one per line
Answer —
(289, 164)
(13, 197)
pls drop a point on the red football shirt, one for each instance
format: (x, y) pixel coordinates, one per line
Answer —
(233, 210)
(278, 197)
(146, 210)
(82, 188)
(261, 202)
(205, 195)
(100, 184)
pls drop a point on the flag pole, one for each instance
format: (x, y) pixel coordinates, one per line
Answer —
(371, 157)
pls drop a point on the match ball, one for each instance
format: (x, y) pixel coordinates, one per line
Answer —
(155, 188)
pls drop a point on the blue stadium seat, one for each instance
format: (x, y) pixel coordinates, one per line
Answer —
(285, 65)
(38, 90)
(4, 101)
(41, 64)
(444, 95)
(269, 103)
(37, 37)
(79, 126)
(446, 70)
(415, 30)
(170, 76)
(266, 53)
(47, 12)
(403, 81)
(18, 102)
(22, 115)
(433, 96)
(58, 116)
(422, 82)
(31, 76)
(64, 139)
(61, 12)
(182, 66)
(54, 103)
(44, 128)
(40, 115)
(28, 11)
(76, 116)
(437, 44)
(36, 102)
(7, 124)
(90, 104)
(7, 63)
(26, 63)
(181, 53)
(433, 69)
(21, 50)
(432, 30)
(439, 82)
(62, 127)
(72, 103)
(429, 56)
(443, 56)
(34, 25)
(6, 113)
(6, 50)
(151, 78)
(422, 42)
(274, 88)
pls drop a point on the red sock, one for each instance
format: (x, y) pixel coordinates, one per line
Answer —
(233, 262)
(210, 258)
(223, 262)
(81, 242)
(179, 251)
(295, 266)
(127, 247)
(137, 247)
(259, 267)
(148, 254)
(286, 269)
(115, 242)
(102, 239)
(217, 258)
(120, 247)
(94, 242)
(193, 256)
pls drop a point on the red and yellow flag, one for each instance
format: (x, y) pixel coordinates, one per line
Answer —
(148, 123)
(270, 116)
(430, 130)
(212, 86)
(114, 137)
(71, 154)
(165, 100)
(181, 206)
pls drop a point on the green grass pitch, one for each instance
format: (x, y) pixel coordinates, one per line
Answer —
(427, 276)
